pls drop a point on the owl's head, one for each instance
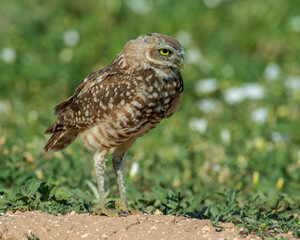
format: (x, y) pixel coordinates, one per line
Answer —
(156, 50)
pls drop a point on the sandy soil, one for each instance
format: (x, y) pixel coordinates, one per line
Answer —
(84, 226)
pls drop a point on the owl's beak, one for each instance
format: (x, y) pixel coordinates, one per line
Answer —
(181, 65)
(179, 62)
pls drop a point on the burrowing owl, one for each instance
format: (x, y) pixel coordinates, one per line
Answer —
(114, 106)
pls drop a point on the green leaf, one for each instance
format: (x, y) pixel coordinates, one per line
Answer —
(31, 187)
(61, 193)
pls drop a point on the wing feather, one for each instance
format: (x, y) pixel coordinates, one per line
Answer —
(97, 97)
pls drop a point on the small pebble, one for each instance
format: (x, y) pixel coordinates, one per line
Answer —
(158, 212)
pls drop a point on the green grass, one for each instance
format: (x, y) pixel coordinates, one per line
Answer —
(250, 176)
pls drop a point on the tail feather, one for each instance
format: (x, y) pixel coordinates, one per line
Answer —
(60, 140)
(62, 136)
(50, 130)
(55, 128)
(59, 108)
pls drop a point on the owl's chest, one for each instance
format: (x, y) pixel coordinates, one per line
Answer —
(160, 96)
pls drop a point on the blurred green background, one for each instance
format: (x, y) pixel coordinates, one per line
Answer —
(238, 126)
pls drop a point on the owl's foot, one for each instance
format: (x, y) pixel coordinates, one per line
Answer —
(109, 210)
(125, 208)
(99, 210)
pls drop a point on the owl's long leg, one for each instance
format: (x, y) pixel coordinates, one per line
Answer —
(100, 166)
(118, 164)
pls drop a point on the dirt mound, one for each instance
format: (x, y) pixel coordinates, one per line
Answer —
(84, 226)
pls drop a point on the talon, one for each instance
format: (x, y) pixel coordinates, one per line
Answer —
(123, 214)
(144, 212)
(107, 212)
(111, 204)
(128, 210)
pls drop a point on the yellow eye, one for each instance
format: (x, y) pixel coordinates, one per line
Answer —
(164, 52)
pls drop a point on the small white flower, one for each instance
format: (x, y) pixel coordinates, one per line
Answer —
(292, 83)
(193, 55)
(207, 85)
(138, 6)
(216, 167)
(199, 125)
(276, 137)
(272, 71)
(234, 95)
(4, 106)
(225, 135)
(184, 37)
(8, 54)
(134, 169)
(212, 3)
(295, 24)
(259, 115)
(246, 91)
(71, 37)
(208, 105)
(279, 137)
(253, 90)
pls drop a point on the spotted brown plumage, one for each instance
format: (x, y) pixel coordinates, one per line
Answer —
(114, 106)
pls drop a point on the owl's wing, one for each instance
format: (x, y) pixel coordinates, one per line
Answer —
(82, 87)
(102, 94)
